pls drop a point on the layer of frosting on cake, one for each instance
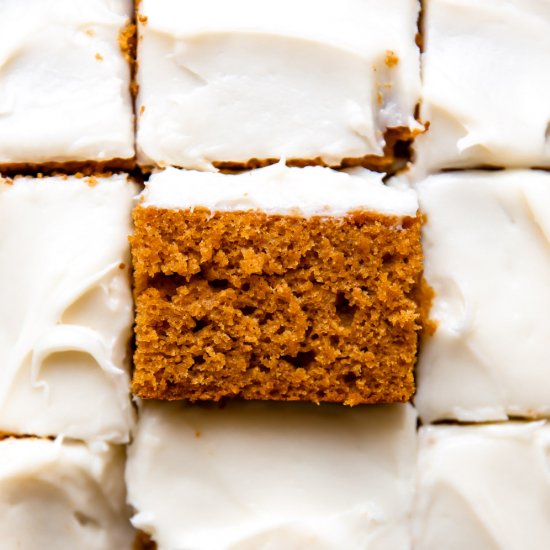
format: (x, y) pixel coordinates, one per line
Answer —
(483, 487)
(59, 495)
(486, 83)
(487, 257)
(67, 307)
(64, 81)
(236, 81)
(258, 475)
(278, 189)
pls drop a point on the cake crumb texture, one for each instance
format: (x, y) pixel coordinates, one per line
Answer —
(271, 307)
(127, 41)
(143, 542)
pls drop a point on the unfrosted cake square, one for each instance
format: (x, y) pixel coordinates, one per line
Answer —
(267, 475)
(242, 83)
(67, 310)
(487, 258)
(62, 494)
(483, 487)
(279, 283)
(486, 83)
(65, 83)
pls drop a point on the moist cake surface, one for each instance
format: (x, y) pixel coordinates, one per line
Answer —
(483, 487)
(313, 81)
(243, 303)
(59, 495)
(64, 82)
(486, 248)
(486, 82)
(259, 475)
(66, 307)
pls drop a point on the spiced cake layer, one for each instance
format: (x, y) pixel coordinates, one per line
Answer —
(65, 83)
(483, 487)
(62, 494)
(273, 475)
(487, 257)
(486, 82)
(280, 283)
(67, 312)
(230, 84)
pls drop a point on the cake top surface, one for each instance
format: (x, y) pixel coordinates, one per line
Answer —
(342, 24)
(279, 189)
(255, 475)
(56, 494)
(487, 257)
(261, 75)
(65, 283)
(485, 84)
(64, 81)
(483, 487)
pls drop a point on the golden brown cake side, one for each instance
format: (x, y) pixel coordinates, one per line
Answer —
(144, 542)
(396, 139)
(257, 306)
(87, 168)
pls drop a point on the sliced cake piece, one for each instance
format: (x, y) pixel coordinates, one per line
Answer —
(66, 306)
(235, 83)
(486, 83)
(59, 495)
(483, 487)
(273, 475)
(487, 257)
(279, 283)
(64, 83)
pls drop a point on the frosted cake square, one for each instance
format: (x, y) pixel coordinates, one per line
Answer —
(279, 283)
(483, 487)
(237, 84)
(57, 495)
(487, 258)
(486, 83)
(65, 83)
(67, 310)
(262, 475)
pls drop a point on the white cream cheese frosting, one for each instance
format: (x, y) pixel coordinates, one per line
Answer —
(58, 495)
(66, 307)
(279, 189)
(232, 81)
(64, 82)
(266, 476)
(483, 487)
(486, 83)
(487, 256)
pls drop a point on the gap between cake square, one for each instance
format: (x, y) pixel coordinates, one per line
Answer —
(239, 84)
(276, 284)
